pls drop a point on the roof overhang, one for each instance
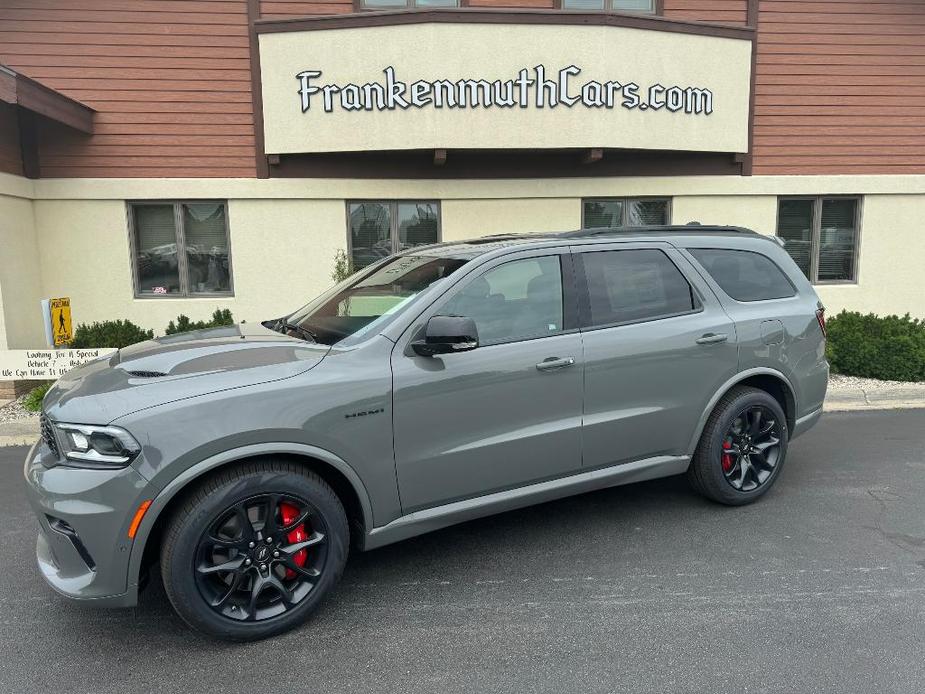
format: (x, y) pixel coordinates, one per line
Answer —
(19, 90)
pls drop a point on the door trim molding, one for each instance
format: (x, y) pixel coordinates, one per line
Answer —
(425, 521)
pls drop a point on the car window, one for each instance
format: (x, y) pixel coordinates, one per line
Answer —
(634, 285)
(515, 301)
(744, 275)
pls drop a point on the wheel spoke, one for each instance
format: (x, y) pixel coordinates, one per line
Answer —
(316, 538)
(755, 422)
(230, 565)
(260, 584)
(269, 521)
(304, 571)
(296, 523)
(284, 592)
(235, 584)
(244, 520)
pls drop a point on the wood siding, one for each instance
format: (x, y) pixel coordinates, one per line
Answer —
(10, 155)
(840, 87)
(169, 79)
(715, 11)
(840, 83)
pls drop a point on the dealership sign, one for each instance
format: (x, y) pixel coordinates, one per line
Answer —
(529, 89)
(460, 85)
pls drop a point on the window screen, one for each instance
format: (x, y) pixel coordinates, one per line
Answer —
(744, 275)
(636, 285)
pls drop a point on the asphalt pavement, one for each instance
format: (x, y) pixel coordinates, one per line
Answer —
(819, 587)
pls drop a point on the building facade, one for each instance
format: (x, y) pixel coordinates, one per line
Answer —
(160, 157)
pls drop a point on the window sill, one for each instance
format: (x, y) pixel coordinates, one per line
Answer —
(182, 297)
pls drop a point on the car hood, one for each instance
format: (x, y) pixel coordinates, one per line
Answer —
(177, 367)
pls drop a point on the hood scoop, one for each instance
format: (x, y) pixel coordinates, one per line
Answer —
(147, 374)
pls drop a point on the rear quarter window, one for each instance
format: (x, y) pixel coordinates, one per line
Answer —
(744, 275)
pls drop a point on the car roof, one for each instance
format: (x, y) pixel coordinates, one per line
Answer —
(471, 248)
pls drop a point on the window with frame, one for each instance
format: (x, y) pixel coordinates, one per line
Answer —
(397, 4)
(379, 228)
(519, 300)
(744, 275)
(641, 6)
(634, 285)
(180, 248)
(821, 235)
(603, 213)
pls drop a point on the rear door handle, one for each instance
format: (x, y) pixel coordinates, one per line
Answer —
(712, 338)
(554, 363)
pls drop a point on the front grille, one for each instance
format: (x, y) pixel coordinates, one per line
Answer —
(48, 435)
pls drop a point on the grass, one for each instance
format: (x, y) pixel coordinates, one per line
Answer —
(33, 400)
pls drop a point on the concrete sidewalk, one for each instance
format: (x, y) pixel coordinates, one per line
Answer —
(842, 397)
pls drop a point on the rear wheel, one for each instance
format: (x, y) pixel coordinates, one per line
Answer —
(254, 550)
(742, 449)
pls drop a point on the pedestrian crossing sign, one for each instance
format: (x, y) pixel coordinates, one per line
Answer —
(61, 328)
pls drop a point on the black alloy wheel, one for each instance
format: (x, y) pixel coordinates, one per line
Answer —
(261, 557)
(751, 448)
(253, 550)
(742, 448)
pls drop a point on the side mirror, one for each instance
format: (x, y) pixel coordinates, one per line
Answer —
(446, 335)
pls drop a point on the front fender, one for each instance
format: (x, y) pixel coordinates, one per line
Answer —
(196, 471)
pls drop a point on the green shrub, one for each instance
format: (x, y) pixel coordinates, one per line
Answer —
(342, 269)
(33, 400)
(220, 318)
(110, 333)
(891, 348)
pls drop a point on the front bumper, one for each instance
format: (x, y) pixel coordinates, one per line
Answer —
(83, 546)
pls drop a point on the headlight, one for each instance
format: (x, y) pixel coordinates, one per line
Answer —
(97, 447)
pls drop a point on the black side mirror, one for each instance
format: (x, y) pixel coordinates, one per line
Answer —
(446, 335)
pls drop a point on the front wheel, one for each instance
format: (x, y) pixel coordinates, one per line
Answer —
(742, 449)
(254, 550)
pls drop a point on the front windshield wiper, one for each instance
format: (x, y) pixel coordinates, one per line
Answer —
(282, 325)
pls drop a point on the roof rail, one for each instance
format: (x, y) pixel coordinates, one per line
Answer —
(693, 229)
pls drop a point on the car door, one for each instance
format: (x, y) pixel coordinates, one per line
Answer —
(506, 413)
(658, 345)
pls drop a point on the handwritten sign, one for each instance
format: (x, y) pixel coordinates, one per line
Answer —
(47, 364)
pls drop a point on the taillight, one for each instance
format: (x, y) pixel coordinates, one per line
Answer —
(820, 316)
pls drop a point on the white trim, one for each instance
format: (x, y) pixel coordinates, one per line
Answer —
(486, 189)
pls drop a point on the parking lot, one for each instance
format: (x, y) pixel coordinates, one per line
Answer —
(818, 587)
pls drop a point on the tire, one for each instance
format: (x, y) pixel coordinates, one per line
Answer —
(725, 434)
(224, 522)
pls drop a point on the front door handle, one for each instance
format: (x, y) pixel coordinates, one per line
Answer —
(712, 338)
(554, 363)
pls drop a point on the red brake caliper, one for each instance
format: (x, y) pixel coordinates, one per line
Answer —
(727, 457)
(297, 534)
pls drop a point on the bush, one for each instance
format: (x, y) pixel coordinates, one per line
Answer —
(342, 269)
(33, 399)
(220, 318)
(891, 348)
(110, 333)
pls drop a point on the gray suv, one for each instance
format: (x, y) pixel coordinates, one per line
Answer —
(442, 384)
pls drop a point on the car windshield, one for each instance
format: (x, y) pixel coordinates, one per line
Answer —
(367, 301)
